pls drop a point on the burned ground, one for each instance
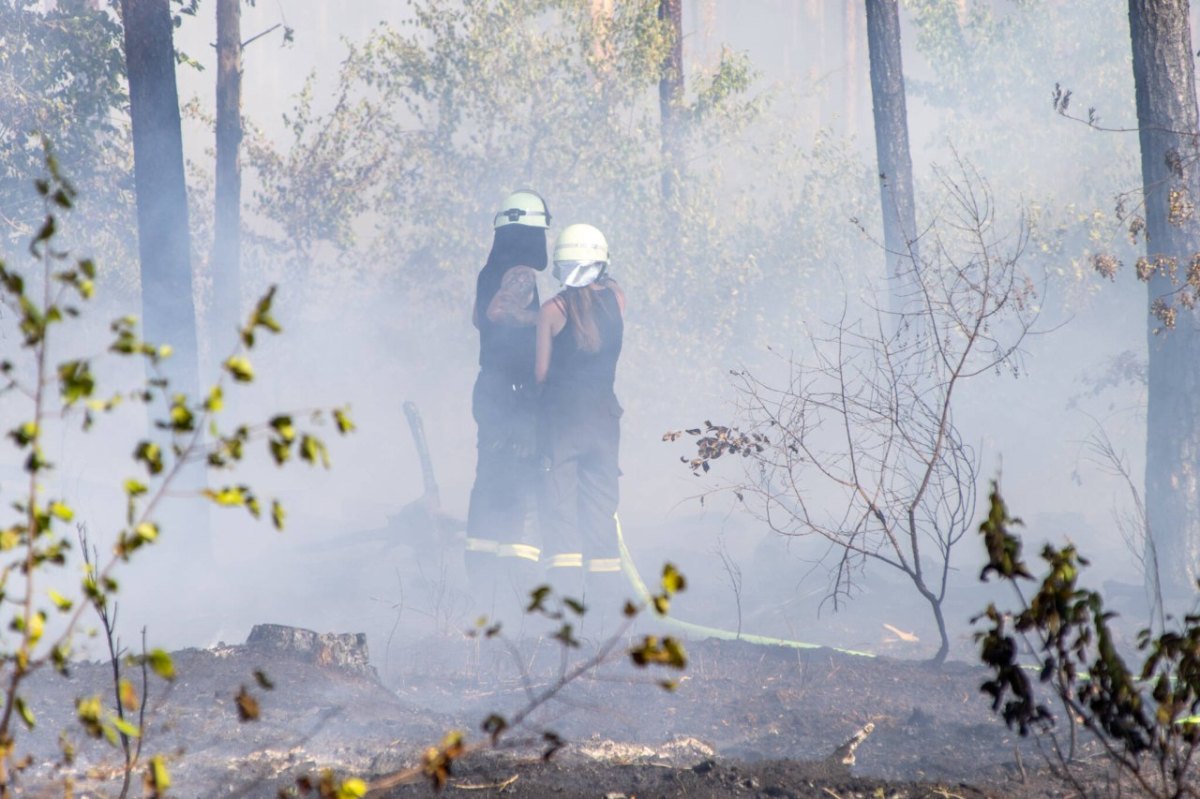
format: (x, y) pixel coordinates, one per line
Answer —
(745, 720)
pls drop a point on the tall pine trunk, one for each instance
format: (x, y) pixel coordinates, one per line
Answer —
(1166, 109)
(168, 310)
(224, 315)
(892, 152)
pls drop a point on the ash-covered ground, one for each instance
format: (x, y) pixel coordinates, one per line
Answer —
(746, 720)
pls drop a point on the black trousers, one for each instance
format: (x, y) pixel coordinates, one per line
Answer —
(501, 511)
(580, 442)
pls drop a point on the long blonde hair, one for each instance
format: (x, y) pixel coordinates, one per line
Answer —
(580, 310)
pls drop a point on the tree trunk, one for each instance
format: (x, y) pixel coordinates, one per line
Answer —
(1166, 109)
(670, 102)
(169, 314)
(891, 147)
(168, 310)
(225, 313)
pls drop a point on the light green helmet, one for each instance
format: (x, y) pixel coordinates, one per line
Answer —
(523, 207)
(580, 255)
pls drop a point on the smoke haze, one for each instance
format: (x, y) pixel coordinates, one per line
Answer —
(379, 315)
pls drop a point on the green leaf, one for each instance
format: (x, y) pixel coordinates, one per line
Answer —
(537, 598)
(61, 602)
(280, 451)
(676, 656)
(283, 427)
(24, 434)
(60, 656)
(26, 713)
(672, 580)
(239, 368)
(353, 788)
(341, 417)
(47, 230)
(125, 728)
(61, 511)
(75, 381)
(278, 514)
(161, 664)
(229, 496)
(150, 454)
(87, 710)
(157, 775)
(181, 419)
(215, 401)
(312, 450)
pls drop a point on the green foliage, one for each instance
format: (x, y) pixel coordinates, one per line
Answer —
(434, 121)
(1144, 717)
(40, 298)
(62, 74)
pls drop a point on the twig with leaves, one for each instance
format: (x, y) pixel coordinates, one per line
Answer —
(438, 761)
(1145, 719)
(41, 300)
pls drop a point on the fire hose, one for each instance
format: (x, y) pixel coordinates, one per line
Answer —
(643, 593)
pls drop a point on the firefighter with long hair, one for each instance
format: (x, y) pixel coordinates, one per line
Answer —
(579, 336)
(501, 548)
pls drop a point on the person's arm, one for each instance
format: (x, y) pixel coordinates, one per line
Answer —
(510, 306)
(550, 322)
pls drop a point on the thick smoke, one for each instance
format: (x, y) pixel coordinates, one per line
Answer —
(361, 327)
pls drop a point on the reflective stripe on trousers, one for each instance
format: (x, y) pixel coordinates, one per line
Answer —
(522, 551)
(565, 560)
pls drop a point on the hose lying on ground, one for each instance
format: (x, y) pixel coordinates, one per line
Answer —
(643, 593)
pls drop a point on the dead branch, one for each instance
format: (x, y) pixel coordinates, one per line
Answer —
(844, 754)
(854, 441)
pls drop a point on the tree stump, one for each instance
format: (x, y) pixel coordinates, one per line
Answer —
(341, 651)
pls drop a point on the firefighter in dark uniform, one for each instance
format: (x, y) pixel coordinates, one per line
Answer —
(579, 336)
(501, 549)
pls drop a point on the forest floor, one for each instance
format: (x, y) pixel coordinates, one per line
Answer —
(745, 721)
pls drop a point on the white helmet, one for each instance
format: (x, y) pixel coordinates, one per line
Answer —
(523, 207)
(580, 256)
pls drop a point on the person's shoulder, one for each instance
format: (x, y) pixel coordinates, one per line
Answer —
(520, 273)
